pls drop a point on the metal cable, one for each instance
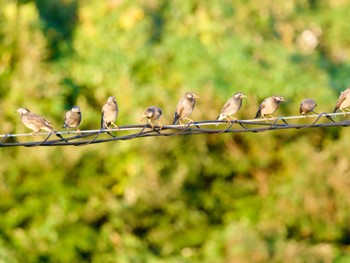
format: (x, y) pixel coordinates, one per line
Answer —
(87, 137)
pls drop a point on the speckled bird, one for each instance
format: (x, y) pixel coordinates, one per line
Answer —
(343, 102)
(231, 106)
(307, 106)
(185, 107)
(269, 106)
(109, 113)
(153, 113)
(36, 123)
(73, 118)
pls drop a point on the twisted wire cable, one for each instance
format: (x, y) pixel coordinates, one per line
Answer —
(86, 137)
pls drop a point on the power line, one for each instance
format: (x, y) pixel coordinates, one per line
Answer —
(87, 137)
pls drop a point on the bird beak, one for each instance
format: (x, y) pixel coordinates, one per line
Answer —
(143, 117)
(196, 96)
(244, 96)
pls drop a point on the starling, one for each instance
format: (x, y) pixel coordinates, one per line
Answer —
(36, 122)
(72, 118)
(109, 113)
(232, 106)
(269, 106)
(153, 113)
(344, 101)
(185, 107)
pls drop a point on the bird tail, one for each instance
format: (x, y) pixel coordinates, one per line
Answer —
(103, 125)
(258, 113)
(60, 136)
(176, 118)
(335, 109)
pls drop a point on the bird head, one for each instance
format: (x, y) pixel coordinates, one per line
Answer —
(191, 95)
(76, 109)
(23, 110)
(148, 113)
(239, 95)
(111, 99)
(279, 99)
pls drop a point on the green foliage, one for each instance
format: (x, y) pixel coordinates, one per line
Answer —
(270, 197)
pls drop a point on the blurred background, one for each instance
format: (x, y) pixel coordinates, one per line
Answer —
(279, 196)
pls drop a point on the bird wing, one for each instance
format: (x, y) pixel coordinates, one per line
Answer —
(102, 118)
(227, 105)
(301, 108)
(341, 99)
(223, 110)
(179, 110)
(177, 114)
(261, 106)
(38, 120)
(67, 118)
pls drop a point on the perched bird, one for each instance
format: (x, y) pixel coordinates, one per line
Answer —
(344, 101)
(185, 107)
(232, 106)
(72, 118)
(36, 122)
(153, 113)
(269, 106)
(306, 106)
(109, 113)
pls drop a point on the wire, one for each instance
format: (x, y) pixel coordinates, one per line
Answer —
(87, 137)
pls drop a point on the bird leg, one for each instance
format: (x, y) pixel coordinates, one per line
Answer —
(78, 131)
(189, 120)
(115, 126)
(160, 125)
(35, 133)
(150, 123)
(344, 112)
(230, 120)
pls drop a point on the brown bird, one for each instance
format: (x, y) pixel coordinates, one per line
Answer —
(73, 118)
(269, 106)
(306, 106)
(153, 113)
(185, 107)
(232, 106)
(36, 122)
(109, 113)
(344, 101)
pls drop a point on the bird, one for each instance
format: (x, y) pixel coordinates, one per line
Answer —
(185, 107)
(343, 101)
(269, 106)
(153, 113)
(36, 123)
(109, 113)
(306, 106)
(231, 106)
(73, 118)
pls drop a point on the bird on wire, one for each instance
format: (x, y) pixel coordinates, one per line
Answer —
(343, 102)
(269, 106)
(109, 113)
(73, 118)
(307, 106)
(36, 123)
(153, 113)
(185, 107)
(231, 106)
